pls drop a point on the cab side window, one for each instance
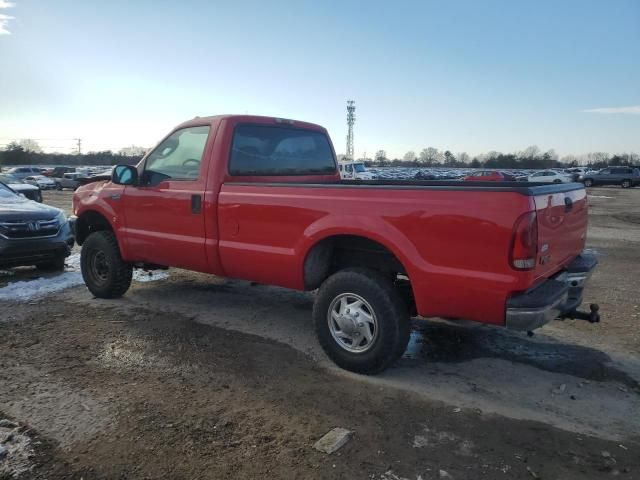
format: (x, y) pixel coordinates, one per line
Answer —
(178, 157)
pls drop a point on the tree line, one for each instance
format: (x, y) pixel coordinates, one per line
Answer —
(18, 154)
(530, 158)
(27, 152)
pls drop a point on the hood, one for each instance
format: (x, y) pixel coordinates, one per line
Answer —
(22, 187)
(19, 208)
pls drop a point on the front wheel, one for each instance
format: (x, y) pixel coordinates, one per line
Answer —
(626, 184)
(361, 321)
(103, 270)
(557, 180)
(588, 182)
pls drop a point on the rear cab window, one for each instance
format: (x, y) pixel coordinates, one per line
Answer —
(279, 151)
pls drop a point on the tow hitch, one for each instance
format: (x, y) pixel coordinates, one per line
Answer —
(592, 317)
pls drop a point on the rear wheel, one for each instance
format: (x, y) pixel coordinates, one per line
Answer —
(58, 186)
(557, 180)
(626, 183)
(103, 270)
(361, 321)
(588, 182)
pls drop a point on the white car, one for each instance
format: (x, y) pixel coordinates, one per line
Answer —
(354, 171)
(44, 183)
(23, 172)
(549, 176)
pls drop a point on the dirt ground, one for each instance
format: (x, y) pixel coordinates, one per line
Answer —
(190, 376)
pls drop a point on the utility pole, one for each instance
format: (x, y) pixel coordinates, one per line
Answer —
(79, 144)
(351, 119)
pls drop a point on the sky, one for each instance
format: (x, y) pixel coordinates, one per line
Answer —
(470, 76)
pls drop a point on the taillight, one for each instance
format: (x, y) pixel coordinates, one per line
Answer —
(524, 244)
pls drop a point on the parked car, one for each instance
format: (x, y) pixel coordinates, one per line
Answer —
(264, 202)
(624, 176)
(32, 233)
(354, 171)
(549, 176)
(31, 192)
(57, 172)
(23, 172)
(42, 182)
(490, 176)
(68, 180)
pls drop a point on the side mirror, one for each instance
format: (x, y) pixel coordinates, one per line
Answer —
(124, 175)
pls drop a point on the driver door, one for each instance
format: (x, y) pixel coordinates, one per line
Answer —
(163, 214)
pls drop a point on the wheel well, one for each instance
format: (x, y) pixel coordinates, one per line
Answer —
(88, 223)
(347, 251)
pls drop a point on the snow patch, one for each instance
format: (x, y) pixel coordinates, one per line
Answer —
(599, 196)
(149, 275)
(22, 291)
(43, 286)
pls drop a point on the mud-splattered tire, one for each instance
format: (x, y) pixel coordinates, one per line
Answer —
(361, 320)
(103, 270)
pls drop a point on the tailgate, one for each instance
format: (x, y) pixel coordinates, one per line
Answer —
(562, 229)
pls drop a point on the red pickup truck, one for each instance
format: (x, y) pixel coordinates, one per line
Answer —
(260, 199)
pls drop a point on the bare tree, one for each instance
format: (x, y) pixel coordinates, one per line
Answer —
(381, 156)
(430, 156)
(463, 157)
(30, 145)
(410, 156)
(133, 151)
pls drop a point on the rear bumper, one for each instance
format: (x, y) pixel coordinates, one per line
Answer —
(551, 299)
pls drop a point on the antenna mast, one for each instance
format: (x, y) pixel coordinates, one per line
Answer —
(351, 119)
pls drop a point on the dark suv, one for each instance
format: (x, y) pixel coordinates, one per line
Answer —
(32, 233)
(624, 176)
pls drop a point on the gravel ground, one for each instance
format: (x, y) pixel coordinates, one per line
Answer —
(190, 376)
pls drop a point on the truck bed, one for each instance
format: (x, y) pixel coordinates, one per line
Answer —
(453, 237)
(523, 188)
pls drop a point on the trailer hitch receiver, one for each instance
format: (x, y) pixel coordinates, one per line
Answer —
(593, 316)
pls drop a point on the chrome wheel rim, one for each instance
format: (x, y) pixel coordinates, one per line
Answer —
(352, 322)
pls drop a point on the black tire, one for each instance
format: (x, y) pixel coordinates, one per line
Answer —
(391, 317)
(588, 182)
(55, 265)
(557, 181)
(103, 270)
(58, 186)
(626, 183)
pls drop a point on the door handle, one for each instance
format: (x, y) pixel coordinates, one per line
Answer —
(116, 196)
(196, 203)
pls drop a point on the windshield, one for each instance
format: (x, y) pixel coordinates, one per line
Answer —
(359, 167)
(9, 179)
(6, 193)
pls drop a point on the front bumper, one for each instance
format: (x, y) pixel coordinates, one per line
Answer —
(553, 298)
(18, 252)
